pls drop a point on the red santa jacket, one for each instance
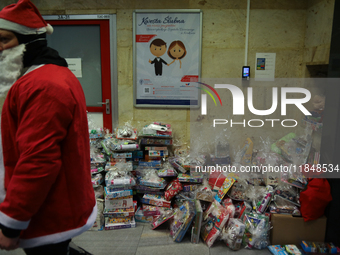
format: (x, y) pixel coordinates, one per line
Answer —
(46, 153)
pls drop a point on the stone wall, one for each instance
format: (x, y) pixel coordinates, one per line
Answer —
(297, 31)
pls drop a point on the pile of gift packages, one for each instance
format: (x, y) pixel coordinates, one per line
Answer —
(141, 176)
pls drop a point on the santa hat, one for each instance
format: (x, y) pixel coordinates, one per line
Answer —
(24, 18)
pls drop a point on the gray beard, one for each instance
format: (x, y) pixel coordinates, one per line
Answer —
(11, 65)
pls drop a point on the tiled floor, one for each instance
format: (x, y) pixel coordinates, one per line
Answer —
(144, 241)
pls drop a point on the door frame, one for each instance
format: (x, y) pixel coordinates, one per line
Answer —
(112, 29)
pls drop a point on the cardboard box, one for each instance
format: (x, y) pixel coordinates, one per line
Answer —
(116, 203)
(293, 230)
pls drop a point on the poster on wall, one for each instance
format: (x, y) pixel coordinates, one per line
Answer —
(265, 66)
(167, 58)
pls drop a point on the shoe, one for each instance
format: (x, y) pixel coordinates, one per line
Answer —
(75, 250)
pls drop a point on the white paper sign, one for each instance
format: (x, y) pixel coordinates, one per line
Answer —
(74, 64)
(265, 66)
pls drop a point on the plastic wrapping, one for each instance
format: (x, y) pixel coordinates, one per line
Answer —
(262, 206)
(233, 233)
(126, 132)
(182, 219)
(167, 170)
(172, 189)
(282, 206)
(157, 129)
(163, 217)
(296, 179)
(149, 177)
(227, 203)
(288, 193)
(214, 219)
(97, 180)
(119, 177)
(255, 194)
(99, 191)
(204, 192)
(99, 222)
(196, 228)
(257, 231)
(238, 191)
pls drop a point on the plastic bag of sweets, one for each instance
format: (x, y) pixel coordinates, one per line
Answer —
(233, 233)
(204, 192)
(257, 231)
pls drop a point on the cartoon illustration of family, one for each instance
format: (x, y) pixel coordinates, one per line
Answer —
(176, 51)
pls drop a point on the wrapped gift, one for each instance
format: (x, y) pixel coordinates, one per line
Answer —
(226, 185)
(117, 194)
(140, 217)
(214, 219)
(128, 224)
(122, 202)
(119, 212)
(196, 178)
(164, 217)
(173, 188)
(150, 210)
(257, 230)
(204, 192)
(182, 220)
(156, 200)
(233, 234)
(149, 177)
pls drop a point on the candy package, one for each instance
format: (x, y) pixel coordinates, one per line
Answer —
(232, 234)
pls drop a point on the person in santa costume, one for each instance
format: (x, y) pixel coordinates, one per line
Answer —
(46, 195)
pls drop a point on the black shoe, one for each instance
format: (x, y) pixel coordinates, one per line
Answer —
(75, 250)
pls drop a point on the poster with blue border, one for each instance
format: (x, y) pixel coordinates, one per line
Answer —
(167, 58)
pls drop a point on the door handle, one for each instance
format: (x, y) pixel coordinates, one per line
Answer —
(107, 105)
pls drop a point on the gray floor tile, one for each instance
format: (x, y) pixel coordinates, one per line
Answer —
(14, 252)
(175, 248)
